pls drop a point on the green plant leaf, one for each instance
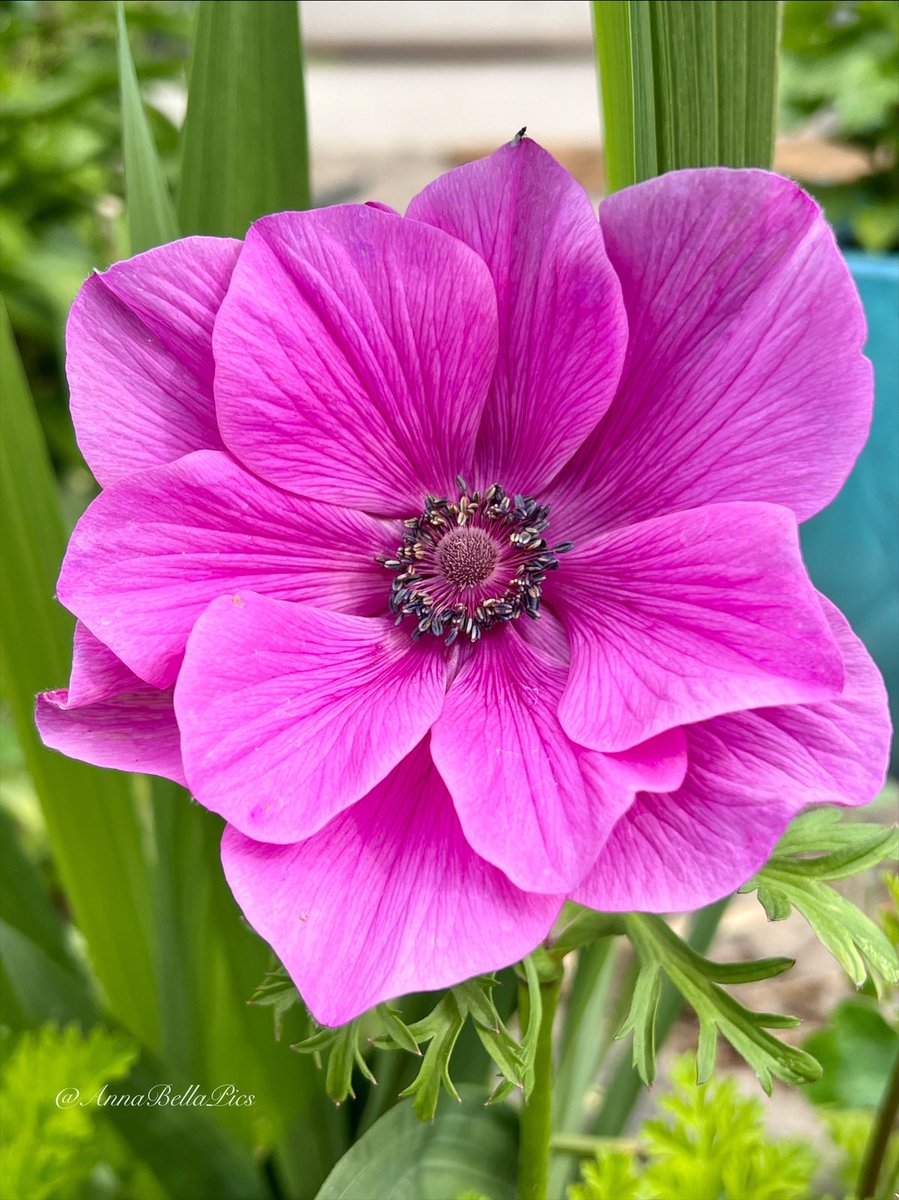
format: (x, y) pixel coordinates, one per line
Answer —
(91, 816)
(184, 1146)
(626, 1086)
(149, 207)
(856, 1050)
(467, 1148)
(43, 1143)
(660, 950)
(623, 37)
(24, 902)
(685, 83)
(245, 148)
(580, 926)
(820, 847)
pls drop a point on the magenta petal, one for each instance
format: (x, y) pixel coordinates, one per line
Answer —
(530, 801)
(744, 377)
(562, 326)
(388, 898)
(289, 714)
(749, 774)
(152, 551)
(109, 717)
(96, 672)
(687, 616)
(139, 356)
(353, 354)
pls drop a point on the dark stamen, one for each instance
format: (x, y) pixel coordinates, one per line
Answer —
(464, 567)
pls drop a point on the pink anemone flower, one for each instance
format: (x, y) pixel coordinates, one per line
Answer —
(452, 558)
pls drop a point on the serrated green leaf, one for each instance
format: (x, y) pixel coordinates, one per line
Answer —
(149, 208)
(434, 1071)
(531, 1039)
(397, 1032)
(641, 1021)
(660, 949)
(279, 994)
(625, 1086)
(822, 830)
(820, 846)
(867, 847)
(504, 1051)
(857, 944)
(474, 998)
(245, 148)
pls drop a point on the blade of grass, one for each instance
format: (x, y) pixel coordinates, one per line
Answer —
(685, 83)
(623, 37)
(245, 147)
(91, 817)
(149, 207)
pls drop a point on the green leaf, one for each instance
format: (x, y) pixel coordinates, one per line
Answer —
(468, 1148)
(581, 926)
(149, 207)
(819, 847)
(91, 816)
(624, 56)
(659, 950)
(641, 1020)
(24, 901)
(245, 147)
(856, 1050)
(625, 1087)
(44, 1143)
(184, 1146)
(278, 993)
(685, 83)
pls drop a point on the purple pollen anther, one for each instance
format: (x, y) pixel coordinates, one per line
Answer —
(464, 567)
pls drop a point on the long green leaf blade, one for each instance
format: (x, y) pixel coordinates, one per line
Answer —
(623, 39)
(686, 83)
(245, 146)
(149, 207)
(91, 817)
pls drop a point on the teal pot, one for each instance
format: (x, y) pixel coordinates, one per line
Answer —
(852, 548)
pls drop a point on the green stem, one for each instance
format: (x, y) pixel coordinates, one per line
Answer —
(884, 1121)
(536, 1112)
(583, 1145)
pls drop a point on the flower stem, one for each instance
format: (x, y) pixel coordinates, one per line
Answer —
(536, 1114)
(875, 1152)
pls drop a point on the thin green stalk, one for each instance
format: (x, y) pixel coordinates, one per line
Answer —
(536, 1112)
(884, 1124)
(583, 1145)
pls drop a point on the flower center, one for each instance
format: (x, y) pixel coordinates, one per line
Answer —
(467, 556)
(465, 566)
